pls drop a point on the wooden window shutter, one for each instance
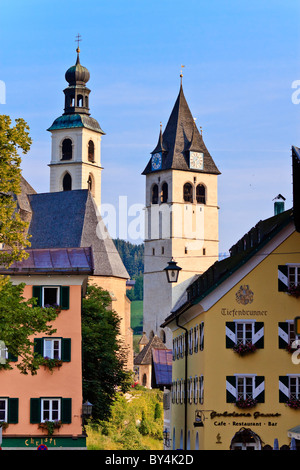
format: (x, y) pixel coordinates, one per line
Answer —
(37, 293)
(35, 410)
(66, 349)
(201, 336)
(259, 389)
(66, 410)
(258, 338)
(283, 334)
(39, 346)
(230, 334)
(283, 281)
(65, 297)
(231, 389)
(12, 358)
(284, 392)
(13, 410)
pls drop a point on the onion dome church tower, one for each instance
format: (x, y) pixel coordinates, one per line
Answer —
(76, 139)
(181, 215)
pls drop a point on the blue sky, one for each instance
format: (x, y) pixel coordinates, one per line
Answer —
(240, 59)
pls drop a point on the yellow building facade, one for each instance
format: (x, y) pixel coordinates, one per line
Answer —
(236, 372)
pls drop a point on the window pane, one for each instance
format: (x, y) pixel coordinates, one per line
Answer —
(50, 295)
(47, 348)
(2, 410)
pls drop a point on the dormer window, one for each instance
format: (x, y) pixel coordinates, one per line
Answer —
(66, 149)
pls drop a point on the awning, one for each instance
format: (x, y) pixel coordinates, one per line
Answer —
(294, 432)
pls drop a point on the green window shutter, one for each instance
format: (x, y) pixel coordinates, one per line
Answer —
(66, 349)
(12, 358)
(66, 410)
(65, 297)
(35, 410)
(38, 346)
(37, 293)
(13, 410)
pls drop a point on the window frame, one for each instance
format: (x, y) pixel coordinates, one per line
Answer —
(59, 349)
(51, 400)
(295, 377)
(57, 294)
(244, 340)
(245, 394)
(5, 400)
(296, 275)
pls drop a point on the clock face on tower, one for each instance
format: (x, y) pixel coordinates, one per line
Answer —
(156, 161)
(196, 160)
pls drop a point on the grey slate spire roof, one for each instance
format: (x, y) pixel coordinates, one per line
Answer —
(69, 219)
(177, 138)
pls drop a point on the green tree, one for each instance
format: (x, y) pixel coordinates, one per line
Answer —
(103, 354)
(19, 320)
(13, 235)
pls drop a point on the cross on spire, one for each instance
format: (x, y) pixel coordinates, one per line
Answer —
(181, 73)
(78, 39)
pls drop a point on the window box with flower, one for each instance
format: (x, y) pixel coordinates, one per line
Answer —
(244, 348)
(246, 402)
(51, 363)
(50, 426)
(294, 290)
(293, 403)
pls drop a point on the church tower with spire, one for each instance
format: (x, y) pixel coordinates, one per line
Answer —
(181, 215)
(76, 139)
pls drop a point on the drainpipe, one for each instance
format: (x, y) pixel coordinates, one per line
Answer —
(185, 382)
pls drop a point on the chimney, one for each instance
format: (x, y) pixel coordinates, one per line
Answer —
(278, 204)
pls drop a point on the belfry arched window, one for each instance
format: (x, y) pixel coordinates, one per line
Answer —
(154, 195)
(91, 151)
(66, 150)
(67, 182)
(188, 192)
(164, 193)
(201, 194)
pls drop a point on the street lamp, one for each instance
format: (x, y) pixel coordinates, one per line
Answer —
(87, 409)
(172, 271)
(167, 440)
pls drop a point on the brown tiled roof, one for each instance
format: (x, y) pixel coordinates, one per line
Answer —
(145, 356)
(180, 136)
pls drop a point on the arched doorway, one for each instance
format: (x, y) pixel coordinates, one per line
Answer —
(245, 439)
